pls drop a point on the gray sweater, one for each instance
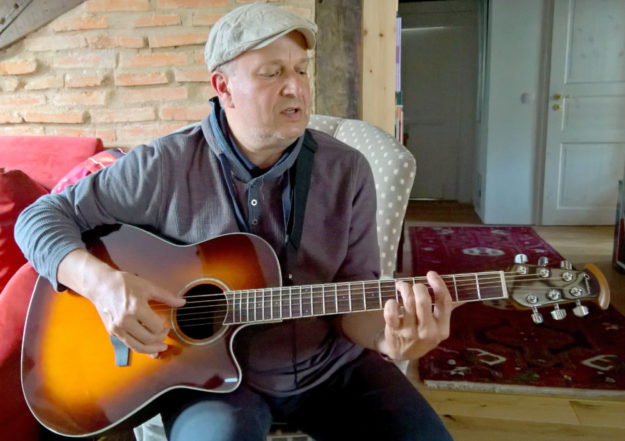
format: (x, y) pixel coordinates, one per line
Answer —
(175, 187)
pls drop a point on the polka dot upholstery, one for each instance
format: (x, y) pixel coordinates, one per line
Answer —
(394, 170)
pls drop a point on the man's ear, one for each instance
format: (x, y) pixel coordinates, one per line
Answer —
(221, 85)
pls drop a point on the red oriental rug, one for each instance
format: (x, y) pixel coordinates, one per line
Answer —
(495, 347)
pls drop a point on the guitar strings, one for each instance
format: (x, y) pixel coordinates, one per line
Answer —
(315, 298)
(351, 288)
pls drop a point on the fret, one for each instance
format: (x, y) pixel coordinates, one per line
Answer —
(372, 295)
(255, 304)
(323, 298)
(301, 308)
(453, 278)
(267, 304)
(247, 307)
(492, 285)
(364, 296)
(380, 293)
(276, 308)
(306, 300)
(349, 297)
(229, 311)
(477, 285)
(356, 296)
(342, 298)
(330, 299)
(336, 299)
(319, 306)
(290, 303)
(239, 307)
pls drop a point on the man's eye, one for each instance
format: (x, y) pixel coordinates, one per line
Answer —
(271, 74)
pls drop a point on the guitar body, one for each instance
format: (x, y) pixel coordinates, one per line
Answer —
(75, 382)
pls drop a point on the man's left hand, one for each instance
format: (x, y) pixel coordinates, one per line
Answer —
(418, 326)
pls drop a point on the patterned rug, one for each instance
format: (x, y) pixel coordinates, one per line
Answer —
(495, 347)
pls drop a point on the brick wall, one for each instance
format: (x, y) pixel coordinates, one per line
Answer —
(125, 71)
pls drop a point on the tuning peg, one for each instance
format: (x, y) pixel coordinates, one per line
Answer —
(520, 258)
(580, 310)
(537, 317)
(558, 313)
(543, 261)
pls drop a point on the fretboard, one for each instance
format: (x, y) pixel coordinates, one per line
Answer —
(290, 302)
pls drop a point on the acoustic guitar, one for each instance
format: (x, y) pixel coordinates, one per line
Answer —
(78, 381)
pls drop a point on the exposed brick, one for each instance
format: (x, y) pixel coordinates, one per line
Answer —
(173, 4)
(107, 135)
(123, 115)
(193, 76)
(17, 67)
(79, 24)
(178, 40)
(147, 132)
(198, 57)
(117, 5)
(10, 118)
(206, 19)
(22, 130)
(185, 113)
(23, 99)
(155, 59)
(47, 82)
(54, 43)
(158, 20)
(75, 80)
(9, 84)
(155, 94)
(141, 79)
(91, 98)
(86, 60)
(54, 117)
(105, 42)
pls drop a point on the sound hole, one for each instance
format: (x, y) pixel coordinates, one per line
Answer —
(203, 314)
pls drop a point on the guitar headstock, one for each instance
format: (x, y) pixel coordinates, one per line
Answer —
(537, 286)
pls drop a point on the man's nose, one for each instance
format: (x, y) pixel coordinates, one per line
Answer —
(293, 84)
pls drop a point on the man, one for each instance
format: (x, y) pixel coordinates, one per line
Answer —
(238, 170)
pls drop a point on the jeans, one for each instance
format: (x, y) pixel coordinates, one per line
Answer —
(368, 399)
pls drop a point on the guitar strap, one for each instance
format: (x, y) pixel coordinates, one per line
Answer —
(303, 171)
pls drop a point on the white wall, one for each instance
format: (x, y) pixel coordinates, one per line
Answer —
(507, 140)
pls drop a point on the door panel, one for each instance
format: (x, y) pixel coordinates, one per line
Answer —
(586, 118)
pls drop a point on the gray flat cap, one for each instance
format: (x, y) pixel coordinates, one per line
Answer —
(252, 27)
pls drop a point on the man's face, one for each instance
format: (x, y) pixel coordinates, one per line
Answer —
(268, 104)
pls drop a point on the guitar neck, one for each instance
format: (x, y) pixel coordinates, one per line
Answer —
(289, 302)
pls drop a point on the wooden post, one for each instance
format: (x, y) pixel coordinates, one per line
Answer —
(378, 72)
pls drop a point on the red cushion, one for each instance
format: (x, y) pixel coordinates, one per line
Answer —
(17, 191)
(91, 165)
(16, 421)
(46, 159)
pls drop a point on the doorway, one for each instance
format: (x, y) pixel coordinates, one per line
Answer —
(439, 72)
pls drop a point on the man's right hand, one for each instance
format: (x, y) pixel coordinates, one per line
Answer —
(122, 300)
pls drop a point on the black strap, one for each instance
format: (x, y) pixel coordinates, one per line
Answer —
(303, 171)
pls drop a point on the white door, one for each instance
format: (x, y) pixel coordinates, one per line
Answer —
(585, 147)
(438, 80)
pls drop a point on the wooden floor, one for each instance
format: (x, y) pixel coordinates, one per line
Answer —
(472, 416)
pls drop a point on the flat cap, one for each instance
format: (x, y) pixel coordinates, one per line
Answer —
(250, 27)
